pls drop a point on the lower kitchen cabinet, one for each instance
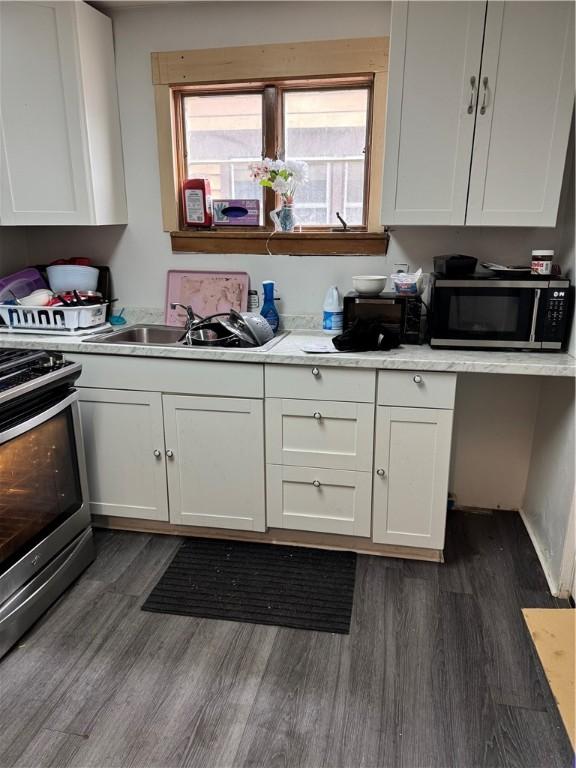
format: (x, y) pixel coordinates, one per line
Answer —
(124, 441)
(215, 461)
(411, 467)
(324, 500)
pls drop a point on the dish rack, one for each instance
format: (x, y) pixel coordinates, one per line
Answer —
(58, 319)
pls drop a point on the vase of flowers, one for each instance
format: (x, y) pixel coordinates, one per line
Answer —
(284, 177)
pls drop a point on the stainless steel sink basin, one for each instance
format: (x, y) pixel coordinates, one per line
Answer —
(164, 336)
(150, 335)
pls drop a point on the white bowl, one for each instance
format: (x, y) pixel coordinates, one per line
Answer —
(369, 285)
(72, 277)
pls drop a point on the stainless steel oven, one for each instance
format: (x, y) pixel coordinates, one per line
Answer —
(45, 535)
(531, 313)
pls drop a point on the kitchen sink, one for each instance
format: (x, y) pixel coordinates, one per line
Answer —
(155, 335)
(164, 336)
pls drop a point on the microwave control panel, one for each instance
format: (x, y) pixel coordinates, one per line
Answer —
(556, 314)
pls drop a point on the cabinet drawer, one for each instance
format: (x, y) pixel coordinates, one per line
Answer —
(317, 433)
(316, 382)
(416, 389)
(186, 377)
(324, 500)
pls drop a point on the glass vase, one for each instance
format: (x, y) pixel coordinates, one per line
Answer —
(284, 218)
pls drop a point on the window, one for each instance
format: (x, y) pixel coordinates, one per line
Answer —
(223, 135)
(324, 123)
(324, 102)
(328, 129)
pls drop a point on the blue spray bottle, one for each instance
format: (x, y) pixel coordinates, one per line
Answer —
(268, 310)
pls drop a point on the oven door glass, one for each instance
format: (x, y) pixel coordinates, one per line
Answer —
(483, 314)
(39, 478)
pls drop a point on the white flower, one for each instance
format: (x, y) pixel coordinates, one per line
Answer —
(280, 185)
(275, 165)
(298, 169)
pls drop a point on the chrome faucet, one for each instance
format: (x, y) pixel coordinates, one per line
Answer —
(191, 318)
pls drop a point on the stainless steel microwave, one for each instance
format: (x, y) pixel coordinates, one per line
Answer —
(531, 313)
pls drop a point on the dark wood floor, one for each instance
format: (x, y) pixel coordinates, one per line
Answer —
(438, 670)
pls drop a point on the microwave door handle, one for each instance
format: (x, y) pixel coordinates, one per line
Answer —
(537, 293)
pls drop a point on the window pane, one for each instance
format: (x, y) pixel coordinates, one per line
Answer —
(224, 135)
(327, 128)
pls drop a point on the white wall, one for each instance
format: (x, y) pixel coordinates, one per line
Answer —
(140, 254)
(550, 489)
(492, 439)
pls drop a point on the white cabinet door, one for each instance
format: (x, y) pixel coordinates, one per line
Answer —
(317, 433)
(525, 107)
(44, 174)
(412, 462)
(60, 143)
(435, 53)
(324, 500)
(124, 444)
(215, 464)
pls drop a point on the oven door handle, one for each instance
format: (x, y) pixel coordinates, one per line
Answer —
(40, 418)
(537, 293)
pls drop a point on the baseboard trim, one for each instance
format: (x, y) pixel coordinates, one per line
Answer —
(358, 544)
(552, 583)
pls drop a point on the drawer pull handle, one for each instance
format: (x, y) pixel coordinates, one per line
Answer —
(170, 453)
(157, 453)
(418, 379)
(315, 372)
(316, 483)
(317, 416)
(381, 472)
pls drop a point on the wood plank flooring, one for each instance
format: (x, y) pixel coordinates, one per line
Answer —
(438, 670)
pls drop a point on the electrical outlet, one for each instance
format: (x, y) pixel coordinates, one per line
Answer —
(400, 268)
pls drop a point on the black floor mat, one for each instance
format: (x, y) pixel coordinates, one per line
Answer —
(259, 584)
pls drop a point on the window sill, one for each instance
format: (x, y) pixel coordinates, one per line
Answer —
(309, 243)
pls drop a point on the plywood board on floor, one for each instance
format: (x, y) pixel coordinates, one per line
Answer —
(553, 631)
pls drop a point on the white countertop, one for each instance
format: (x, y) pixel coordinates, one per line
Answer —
(288, 351)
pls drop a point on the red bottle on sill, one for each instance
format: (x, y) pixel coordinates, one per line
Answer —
(197, 203)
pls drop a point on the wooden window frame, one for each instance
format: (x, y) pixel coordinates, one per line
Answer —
(272, 70)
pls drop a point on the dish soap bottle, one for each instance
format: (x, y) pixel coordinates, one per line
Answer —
(268, 310)
(333, 313)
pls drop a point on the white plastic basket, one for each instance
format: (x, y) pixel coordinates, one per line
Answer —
(59, 319)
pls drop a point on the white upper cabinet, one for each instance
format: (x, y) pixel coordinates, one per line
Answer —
(480, 99)
(527, 89)
(60, 143)
(435, 52)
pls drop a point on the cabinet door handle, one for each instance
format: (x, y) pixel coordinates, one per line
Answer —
(170, 453)
(381, 472)
(485, 86)
(317, 415)
(418, 379)
(316, 483)
(315, 372)
(472, 89)
(157, 453)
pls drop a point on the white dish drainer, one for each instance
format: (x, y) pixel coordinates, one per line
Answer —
(56, 319)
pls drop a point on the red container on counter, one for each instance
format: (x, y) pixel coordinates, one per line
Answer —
(197, 203)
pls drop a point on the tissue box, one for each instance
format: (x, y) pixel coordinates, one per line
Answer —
(250, 219)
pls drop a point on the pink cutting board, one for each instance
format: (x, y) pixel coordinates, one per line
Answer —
(206, 292)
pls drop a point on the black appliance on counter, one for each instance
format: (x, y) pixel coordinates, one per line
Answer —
(401, 314)
(45, 534)
(524, 312)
